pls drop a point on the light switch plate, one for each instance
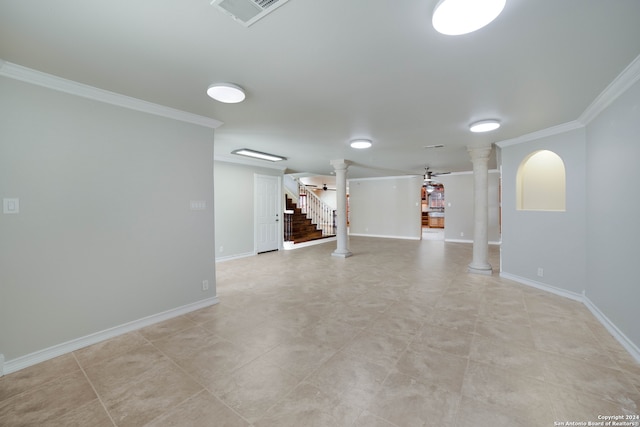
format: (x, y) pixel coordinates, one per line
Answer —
(198, 205)
(10, 206)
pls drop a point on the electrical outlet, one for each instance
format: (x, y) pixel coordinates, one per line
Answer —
(540, 272)
(462, 234)
(221, 248)
(205, 285)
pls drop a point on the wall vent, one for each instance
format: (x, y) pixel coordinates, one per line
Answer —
(247, 12)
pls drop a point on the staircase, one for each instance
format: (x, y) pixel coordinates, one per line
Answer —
(299, 228)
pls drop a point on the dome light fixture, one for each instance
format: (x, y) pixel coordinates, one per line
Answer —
(484, 126)
(228, 93)
(360, 143)
(456, 17)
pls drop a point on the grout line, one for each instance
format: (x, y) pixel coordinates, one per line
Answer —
(94, 389)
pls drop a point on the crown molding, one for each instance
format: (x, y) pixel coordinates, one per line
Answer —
(554, 130)
(629, 76)
(28, 75)
(617, 87)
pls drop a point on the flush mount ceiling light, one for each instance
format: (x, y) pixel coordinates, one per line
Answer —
(456, 17)
(360, 143)
(258, 155)
(484, 126)
(226, 92)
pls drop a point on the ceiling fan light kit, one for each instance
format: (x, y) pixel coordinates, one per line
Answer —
(457, 17)
(484, 126)
(228, 93)
(360, 144)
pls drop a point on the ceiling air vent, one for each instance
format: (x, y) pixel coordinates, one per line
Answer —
(247, 12)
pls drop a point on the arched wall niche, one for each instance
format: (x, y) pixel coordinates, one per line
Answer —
(541, 182)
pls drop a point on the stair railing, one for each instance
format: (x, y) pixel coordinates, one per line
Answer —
(320, 213)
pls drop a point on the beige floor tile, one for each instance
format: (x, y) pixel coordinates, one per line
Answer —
(512, 357)
(571, 405)
(92, 414)
(474, 413)
(511, 332)
(434, 367)
(350, 378)
(254, 388)
(116, 372)
(517, 394)
(397, 335)
(379, 348)
(571, 343)
(367, 419)
(331, 332)
(202, 410)
(166, 328)
(47, 402)
(299, 357)
(110, 349)
(148, 395)
(309, 406)
(404, 401)
(37, 375)
(434, 337)
(461, 319)
(583, 377)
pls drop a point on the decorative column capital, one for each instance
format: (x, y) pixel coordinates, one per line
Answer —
(341, 164)
(479, 153)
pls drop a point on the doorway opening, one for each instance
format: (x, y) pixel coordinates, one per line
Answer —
(432, 207)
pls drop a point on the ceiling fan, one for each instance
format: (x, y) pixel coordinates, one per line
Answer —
(430, 175)
(323, 188)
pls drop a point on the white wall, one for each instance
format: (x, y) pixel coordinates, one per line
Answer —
(613, 212)
(234, 208)
(105, 234)
(386, 207)
(459, 206)
(553, 241)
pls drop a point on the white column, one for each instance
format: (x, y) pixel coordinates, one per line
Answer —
(340, 167)
(480, 158)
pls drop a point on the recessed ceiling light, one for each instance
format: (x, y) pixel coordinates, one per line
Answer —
(484, 126)
(360, 143)
(258, 155)
(456, 17)
(228, 93)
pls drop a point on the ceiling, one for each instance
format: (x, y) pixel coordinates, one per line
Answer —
(319, 73)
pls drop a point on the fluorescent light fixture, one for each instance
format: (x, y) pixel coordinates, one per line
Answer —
(258, 155)
(228, 93)
(360, 143)
(484, 126)
(456, 17)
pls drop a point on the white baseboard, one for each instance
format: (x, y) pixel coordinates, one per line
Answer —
(238, 256)
(78, 343)
(613, 329)
(458, 241)
(492, 242)
(544, 287)
(386, 237)
(604, 320)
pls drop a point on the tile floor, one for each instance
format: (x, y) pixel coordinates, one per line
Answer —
(397, 335)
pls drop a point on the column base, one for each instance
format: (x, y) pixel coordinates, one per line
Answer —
(341, 253)
(480, 269)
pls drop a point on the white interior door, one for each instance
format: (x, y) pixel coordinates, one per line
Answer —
(268, 213)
